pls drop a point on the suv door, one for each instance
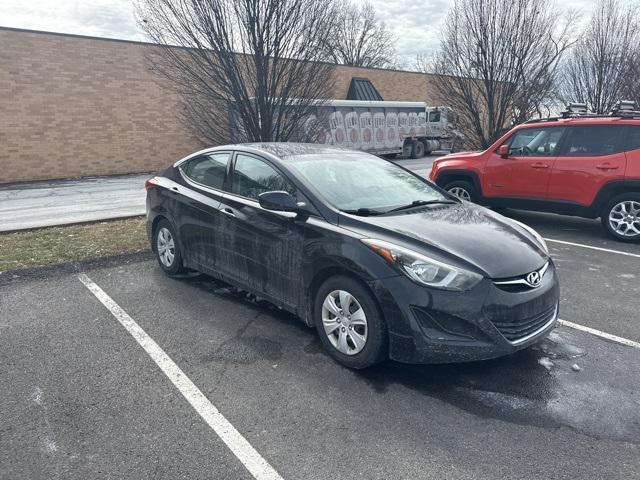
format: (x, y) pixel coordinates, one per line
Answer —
(591, 156)
(198, 218)
(525, 173)
(263, 248)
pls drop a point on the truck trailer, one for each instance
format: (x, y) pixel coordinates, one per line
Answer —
(410, 129)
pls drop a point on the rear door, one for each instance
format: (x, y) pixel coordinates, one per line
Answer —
(262, 248)
(591, 156)
(198, 219)
(526, 172)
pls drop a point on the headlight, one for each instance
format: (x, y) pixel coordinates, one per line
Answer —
(535, 234)
(422, 269)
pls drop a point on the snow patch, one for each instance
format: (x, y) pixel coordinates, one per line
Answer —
(545, 362)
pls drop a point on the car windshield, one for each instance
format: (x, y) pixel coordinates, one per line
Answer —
(352, 182)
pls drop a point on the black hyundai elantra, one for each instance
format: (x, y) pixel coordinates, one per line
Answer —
(381, 262)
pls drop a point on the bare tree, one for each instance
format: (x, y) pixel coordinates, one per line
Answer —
(245, 70)
(359, 39)
(498, 62)
(602, 66)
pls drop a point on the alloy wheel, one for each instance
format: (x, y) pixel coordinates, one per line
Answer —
(624, 218)
(344, 322)
(460, 193)
(166, 247)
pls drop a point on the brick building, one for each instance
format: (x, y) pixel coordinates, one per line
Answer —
(75, 106)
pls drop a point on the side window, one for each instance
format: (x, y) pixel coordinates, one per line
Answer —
(209, 170)
(535, 142)
(252, 176)
(594, 140)
(633, 137)
(434, 116)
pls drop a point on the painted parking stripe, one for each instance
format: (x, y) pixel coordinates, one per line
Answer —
(593, 248)
(241, 448)
(598, 333)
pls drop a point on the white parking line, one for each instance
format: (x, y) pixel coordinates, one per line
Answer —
(250, 458)
(593, 248)
(598, 333)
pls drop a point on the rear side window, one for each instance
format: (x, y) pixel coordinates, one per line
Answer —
(633, 137)
(252, 176)
(209, 170)
(594, 140)
(535, 142)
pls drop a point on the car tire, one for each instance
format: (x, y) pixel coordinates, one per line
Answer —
(620, 217)
(167, 248)
(462, 189)
(417, 150)
(342, 330)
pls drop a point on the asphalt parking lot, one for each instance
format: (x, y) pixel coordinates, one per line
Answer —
(99, 385)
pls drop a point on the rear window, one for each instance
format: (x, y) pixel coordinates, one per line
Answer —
(594, 140)
(633, 137)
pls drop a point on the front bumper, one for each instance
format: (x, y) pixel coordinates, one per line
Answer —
(437, 326)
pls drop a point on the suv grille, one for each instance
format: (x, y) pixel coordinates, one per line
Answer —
(517, 330)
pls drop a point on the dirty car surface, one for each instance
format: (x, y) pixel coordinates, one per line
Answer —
(381, 262)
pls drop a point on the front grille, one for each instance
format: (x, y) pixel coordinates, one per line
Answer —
(514, 330)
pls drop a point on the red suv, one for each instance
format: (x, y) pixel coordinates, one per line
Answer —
(584, 165)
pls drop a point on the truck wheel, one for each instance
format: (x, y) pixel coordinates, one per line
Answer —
(463, 190)
(621, 217)
(417, 149)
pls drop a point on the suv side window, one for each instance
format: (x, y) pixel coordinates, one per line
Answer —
(535, 142)
(594, 140)
(208, 170)
(252, 176)
(633, 137)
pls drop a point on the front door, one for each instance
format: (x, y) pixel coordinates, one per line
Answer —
(526, 171)
(591, 156)
(263, 248)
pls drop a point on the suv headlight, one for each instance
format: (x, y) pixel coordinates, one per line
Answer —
(535, 234)
(422, 269)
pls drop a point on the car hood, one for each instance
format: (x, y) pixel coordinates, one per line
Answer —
(465, 234)
(462, 155)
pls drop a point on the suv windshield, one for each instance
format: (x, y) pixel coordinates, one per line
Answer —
(353, 182)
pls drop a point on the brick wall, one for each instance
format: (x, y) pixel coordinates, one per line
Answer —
(76, 106)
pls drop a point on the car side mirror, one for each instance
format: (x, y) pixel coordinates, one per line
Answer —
(504, 151)
(279, 201)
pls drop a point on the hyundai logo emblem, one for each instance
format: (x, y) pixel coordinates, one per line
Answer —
(534, 279)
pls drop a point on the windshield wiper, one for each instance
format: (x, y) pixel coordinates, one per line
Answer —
(420, 203)
(364, 212)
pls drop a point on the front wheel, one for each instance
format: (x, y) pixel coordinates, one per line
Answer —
(621, 217)
(462, 189)
(349, 323)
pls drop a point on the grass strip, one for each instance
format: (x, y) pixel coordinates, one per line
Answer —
(47, 246)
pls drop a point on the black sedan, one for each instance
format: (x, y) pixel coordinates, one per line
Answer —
(381, 262)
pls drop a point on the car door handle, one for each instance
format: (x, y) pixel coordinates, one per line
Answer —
(539, 165)
(228, 212)
(606, 166)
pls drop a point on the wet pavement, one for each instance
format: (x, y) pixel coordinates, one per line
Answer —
(60, 202)
(82, 399)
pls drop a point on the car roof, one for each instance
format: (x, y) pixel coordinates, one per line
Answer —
(285, 150)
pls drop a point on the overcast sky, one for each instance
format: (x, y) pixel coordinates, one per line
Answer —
(415, 22)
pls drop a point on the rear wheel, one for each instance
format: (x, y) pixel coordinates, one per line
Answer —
(621, 217)
(167, 249)
(462, 189)
(417, 150)
(349, 323)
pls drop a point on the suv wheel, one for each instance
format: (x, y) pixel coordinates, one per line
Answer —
(621, 217)
(349, 323)
(462, 189)
(167, 249)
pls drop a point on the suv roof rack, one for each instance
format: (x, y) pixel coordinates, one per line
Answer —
(625, 109)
